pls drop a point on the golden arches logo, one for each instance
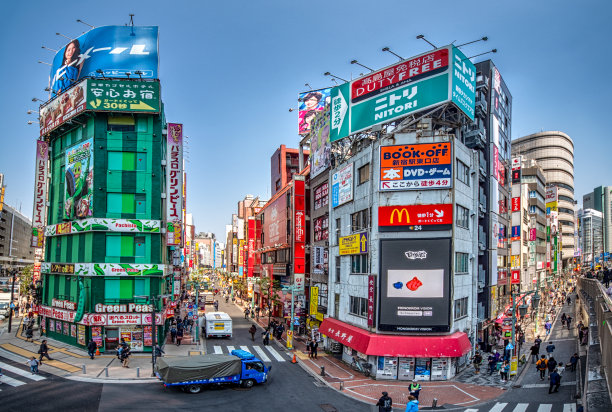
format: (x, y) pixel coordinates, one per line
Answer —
(399, 214)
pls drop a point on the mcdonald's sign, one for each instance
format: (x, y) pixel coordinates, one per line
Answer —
(415, 217)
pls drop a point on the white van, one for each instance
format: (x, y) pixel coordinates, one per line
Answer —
(209, 299)
(218, 324)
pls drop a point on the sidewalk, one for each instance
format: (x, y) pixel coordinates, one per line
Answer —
(340, 376)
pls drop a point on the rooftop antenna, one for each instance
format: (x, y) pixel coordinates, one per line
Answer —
(421, 36)
(386, 49)
(131, 23)
(87, 24)
(362, 65)
(485, 38)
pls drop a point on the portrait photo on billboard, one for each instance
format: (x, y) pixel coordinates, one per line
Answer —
(310, 103)
(320, 146)
(415, 285)
(118, 51)
(78, 187)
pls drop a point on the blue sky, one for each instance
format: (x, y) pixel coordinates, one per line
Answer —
(230, 71)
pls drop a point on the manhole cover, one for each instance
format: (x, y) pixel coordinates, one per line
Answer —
(328, 408)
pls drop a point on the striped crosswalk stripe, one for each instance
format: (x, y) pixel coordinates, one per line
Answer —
(545, 407)
(245, 348)
(521, 407)
(27, 374)
(569, 407)
(218, 350)
(498, 407)
(230, 349)
(262, 354)
(275, 354)
(11, 381)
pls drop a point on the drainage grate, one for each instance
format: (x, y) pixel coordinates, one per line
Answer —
(328, 408)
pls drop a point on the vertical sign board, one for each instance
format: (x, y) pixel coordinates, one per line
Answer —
(251, 247)
(299, 234)
(516, 169)
(39, 215)
(241, 257)
(516, 277)
(314, 300)
(416, 166)
(371, 300)
(342, 185)
(174, 182)
(415, 285)
(412, 85)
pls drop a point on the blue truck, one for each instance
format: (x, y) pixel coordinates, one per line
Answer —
(194, 373)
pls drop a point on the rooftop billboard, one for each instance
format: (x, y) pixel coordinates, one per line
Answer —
(310, 103)
(427, 80)
(116, 50)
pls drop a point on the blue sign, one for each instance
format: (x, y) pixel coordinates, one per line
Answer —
(118, 51)
(596, 259)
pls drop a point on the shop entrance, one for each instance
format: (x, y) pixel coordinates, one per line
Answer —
(112, 338)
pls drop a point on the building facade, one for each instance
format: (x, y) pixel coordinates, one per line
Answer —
(591, 237)
(600, 199)
(16, 251)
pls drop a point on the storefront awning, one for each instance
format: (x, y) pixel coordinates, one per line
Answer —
(435, 346)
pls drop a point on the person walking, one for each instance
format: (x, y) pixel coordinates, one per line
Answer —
(173, 332)
(179, 337)
(563, 319)
(125, 357)
(43, 350)
(266, 337)
(412, 405)
(252, 331)
(573, 362)
(33, 364)
(91, 348)
(257, 310)
(313, 348)
(29, 332)
(551, 365)
(505, 369)
(535, 352)
(541, 366)
(216, 305)
(537, 341)
(159, 352)
(569, 322)
(492, 362)
(385, 403)
(548, 327)
(477, 361)
(550, 348)
(246, 312)
(555, 381)
(415, 389)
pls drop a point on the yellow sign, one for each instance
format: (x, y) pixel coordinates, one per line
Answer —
(1, 198)
(319, 316)
(354, 244)
(314, 300)
(513, 366)
(515, 261)
(289, 339)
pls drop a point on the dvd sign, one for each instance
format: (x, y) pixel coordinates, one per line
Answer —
(410, 217)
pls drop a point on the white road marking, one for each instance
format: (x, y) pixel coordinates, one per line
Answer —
(546, 385)
(230, 349)
(498, 407)
(521, 407)
(11, 381)
(218, 350)
(261, 353)
(275, 354)
(569, 407)
(26, 374)
(471, 410)
(545, 407)
(246, 349)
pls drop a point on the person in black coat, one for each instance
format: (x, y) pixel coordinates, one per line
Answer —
(43, 350)
(555, 381)
(91, 348)
(385, 403)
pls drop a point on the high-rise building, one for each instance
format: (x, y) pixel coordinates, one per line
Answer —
(15, 234)
(591, 236)
(600, 199)
(554, 152)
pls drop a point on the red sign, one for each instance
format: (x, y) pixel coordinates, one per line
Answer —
(532, 234)
(399, 74)
(371, 303)
(250, 247)
(516, 277)
(516, 204)
(299, 238)
(502, 275)
(415, 215)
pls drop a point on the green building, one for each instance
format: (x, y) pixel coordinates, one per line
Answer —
(105, 247)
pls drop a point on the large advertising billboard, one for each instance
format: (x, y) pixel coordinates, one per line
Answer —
(119, 51)
(320, 146)
(39, 215)
(342, 185)
(416, 166)
(432, 78)
(275, 221)
(415, 217)
(415, 285)
(299, 233)
(174, 182)
(78, 187)
(310, 103)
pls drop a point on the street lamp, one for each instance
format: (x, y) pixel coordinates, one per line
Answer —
(153, 300)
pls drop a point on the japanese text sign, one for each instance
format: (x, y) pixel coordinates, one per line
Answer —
(299, 238)
(354, 244)
(398, 217)
(371, 300)
(123, 96)
(174, 179)
(39, 215)
(342, 185)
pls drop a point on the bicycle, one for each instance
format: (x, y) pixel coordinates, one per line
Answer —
(361, 366)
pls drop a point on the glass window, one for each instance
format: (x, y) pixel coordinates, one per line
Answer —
(338, 231)
(364, 173)
(463, 217)
(112, 289)
(462, 262)
(463, 172)
(113, 245)
(337, 269)
(358, 306)
(359, 264)
(360, 220)
(461, 308)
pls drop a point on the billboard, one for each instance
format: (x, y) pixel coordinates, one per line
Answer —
(119, 51)
(320, 146)
(63, 108)
(432, 78)
(415, 217)
(275, 221)
(299, 232)
(174, 181)
(551, 199)
(353, 244)
(516, 169)
(318, 260)
(310, 103)
(416, 166)
(516, 204)
(415, 285)
(39, 214)
(78, 187)
(342, 186)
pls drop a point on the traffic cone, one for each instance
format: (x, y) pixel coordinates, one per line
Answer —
(294, 360)
(97, 351)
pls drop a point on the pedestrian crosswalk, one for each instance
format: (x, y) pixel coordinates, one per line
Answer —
(525, 407)
(14, 376)
(265, 355)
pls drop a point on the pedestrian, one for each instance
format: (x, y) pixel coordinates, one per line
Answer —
(569, 322)
(91, 348)
(43, 350)
(580, 331)
(573, 362)
(541, 366)
(216, 305)
(505, 369)
(560, 368)
(569, 300)
(492, 362)
(257, 309)
(30, 332)
(125, 357)
(279, 331)
(585, 336)
(550, 348)
(33, 363)
(158, 351)
(179, 337)
(412, 405)
(535, 352)
(266, 337)
(246, 312)
(173, 332)
(563, 319)
(313, 348)
(555, 381)
(477, 361)
(385, 403)
(551, 365)
(415, 389)
(309, 347)
(521, 340)
(548, 327)
(252, 331)
(537, 341)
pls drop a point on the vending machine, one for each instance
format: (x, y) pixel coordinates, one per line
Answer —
(406, 369)
(387, 367)
(439, 369)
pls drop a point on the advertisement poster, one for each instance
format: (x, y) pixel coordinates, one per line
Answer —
(354, 244)
(119, 50)
(63, 108)
(342, 186)
(58, 326)
(39, 215)
(516, 204)
(73, 331)
(148, 338)
(314, 300)
(318, 262)
(51, 325)
(516, 233)
(123, 95)
(78, 190)
(310, 104)
(81, 335)
(516, 277)
(96, 335)
(299, 240)
(320, 146)
(174, 181)
(371, 300)
(415, 285)
(415, 217)
(416, 166)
